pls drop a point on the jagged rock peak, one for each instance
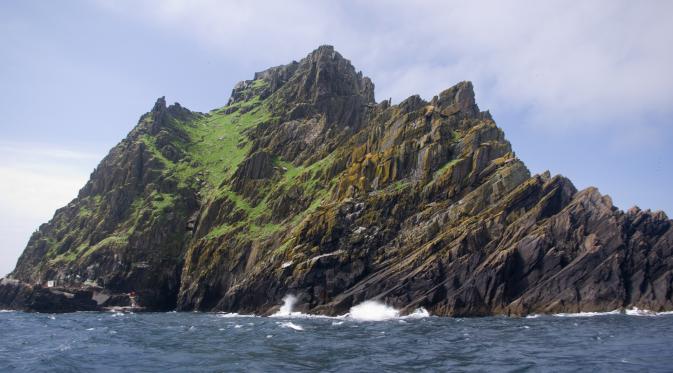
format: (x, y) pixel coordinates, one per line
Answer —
(175, 110)
(271, 80)
(459, 98)
(161, 116)
(324, 73)
(159, 105)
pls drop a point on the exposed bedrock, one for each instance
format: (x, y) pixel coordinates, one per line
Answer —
(303, 184)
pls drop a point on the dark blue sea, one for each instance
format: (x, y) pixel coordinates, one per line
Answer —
(210, 342)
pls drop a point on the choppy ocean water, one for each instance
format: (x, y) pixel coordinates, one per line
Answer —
(204, 342)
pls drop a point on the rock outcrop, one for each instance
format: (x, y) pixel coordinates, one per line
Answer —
(304, 185)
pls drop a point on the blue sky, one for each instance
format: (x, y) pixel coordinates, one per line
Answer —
(583, 89)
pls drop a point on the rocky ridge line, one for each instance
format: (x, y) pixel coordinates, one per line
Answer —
(302, 184)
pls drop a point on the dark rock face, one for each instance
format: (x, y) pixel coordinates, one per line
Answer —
(258, 166)
(304, 185)
(112, 234)
(274, 78)
(17, 295)
(253, 174)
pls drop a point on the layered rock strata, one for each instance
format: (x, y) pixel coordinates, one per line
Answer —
(303, 184)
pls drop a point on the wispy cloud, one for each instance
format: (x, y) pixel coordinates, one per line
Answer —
(36, 179)
(567, 66)
(30, 151)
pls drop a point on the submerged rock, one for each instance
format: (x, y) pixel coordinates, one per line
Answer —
(304, 185)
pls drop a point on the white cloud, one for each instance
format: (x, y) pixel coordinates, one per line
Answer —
(38, 192)
(36, 180)
(566, 65)
(30, 152)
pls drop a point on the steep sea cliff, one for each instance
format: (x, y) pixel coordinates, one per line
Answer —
(303, 184)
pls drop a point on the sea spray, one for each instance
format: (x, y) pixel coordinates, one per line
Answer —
(373, 311)
(286, 309)
(418, 313)
(370, 310)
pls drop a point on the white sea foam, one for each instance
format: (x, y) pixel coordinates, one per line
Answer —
(367, 311)
(418, 313)
(628, 312)
(64, 347)
(291, 325)
(635, 311)
(2, 311)
(587, 314)
(230, 315)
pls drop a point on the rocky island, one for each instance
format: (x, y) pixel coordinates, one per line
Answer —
(303, 184)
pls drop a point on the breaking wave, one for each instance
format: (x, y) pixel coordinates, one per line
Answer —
(587, 314)
(373, 311)
(418, 313)
(635, 311)
(370, 310)
(628, 312)
(286, 310)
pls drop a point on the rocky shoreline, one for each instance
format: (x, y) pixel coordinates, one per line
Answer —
(17, 295)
